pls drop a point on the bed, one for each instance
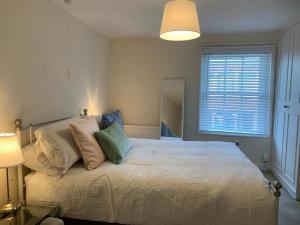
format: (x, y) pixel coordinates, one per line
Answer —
(162, 182)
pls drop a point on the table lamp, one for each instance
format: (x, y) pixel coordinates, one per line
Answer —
(10, 156)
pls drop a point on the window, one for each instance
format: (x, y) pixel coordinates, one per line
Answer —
(235, 91)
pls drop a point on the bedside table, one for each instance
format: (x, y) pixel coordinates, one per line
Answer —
(32, 213)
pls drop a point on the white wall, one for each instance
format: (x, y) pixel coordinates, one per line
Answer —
(51, 65)
(139, 65)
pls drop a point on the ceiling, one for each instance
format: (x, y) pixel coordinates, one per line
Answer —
(142, 18)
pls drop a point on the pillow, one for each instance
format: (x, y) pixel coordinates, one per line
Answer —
(109, 118)
(83, 134)
(35, 160)
(166, 131)
(57, 144)
(114, 142)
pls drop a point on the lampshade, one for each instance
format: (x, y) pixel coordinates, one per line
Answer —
(10, 151)
(180, 21)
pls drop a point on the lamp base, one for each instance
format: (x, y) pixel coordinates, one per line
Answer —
(10, 206)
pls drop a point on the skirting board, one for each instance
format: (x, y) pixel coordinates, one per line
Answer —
(138, 131)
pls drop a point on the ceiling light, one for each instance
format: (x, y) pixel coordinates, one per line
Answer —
(180, 21)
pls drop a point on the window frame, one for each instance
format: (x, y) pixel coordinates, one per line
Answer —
(270, 48)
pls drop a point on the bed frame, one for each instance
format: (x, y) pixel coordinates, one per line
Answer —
(26, 136)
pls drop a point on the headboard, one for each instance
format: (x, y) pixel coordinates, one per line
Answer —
(25, 135)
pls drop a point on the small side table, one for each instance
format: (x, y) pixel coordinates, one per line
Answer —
(31, 213)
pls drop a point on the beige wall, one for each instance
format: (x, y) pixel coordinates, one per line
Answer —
(51, 65)
(139, 65)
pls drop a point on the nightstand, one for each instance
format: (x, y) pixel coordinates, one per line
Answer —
(32, 213)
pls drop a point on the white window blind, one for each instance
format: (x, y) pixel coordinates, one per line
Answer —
(235, 94)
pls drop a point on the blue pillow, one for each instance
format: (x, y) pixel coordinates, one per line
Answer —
(166, 131)
(109, 118)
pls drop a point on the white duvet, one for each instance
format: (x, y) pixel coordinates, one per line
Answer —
(161, 182)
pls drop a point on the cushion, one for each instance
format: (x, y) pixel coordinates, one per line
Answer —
(109, 118)
(57, 144)
(83, 134)
(114, 142)
(166, 131)
(35, 160)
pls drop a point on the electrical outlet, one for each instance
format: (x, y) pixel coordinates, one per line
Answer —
(266, 157)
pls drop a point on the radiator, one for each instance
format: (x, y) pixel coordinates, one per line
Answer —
(137, 131)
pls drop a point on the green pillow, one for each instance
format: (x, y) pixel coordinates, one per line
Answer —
(114, 142)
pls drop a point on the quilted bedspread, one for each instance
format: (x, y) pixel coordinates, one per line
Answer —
(164, 182)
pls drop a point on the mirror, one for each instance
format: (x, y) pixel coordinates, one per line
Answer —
(172, 108)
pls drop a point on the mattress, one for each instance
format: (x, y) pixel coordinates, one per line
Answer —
(162, 182)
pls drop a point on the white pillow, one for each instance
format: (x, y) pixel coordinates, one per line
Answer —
(57, 144)
(35, 160)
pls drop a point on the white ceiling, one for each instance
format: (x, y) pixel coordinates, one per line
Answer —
(136, 18)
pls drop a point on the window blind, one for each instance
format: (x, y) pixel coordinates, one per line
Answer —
(235, 92)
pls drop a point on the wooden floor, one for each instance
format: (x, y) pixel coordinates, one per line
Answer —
(289, 210)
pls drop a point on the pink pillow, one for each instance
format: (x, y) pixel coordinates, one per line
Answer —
(83, 134)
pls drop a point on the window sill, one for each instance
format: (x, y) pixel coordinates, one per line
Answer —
(217, 133)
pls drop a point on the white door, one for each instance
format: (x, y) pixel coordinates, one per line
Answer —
(280, 111)
(291, 158)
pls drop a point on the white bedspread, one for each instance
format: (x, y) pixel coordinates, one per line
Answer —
(164, 183)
